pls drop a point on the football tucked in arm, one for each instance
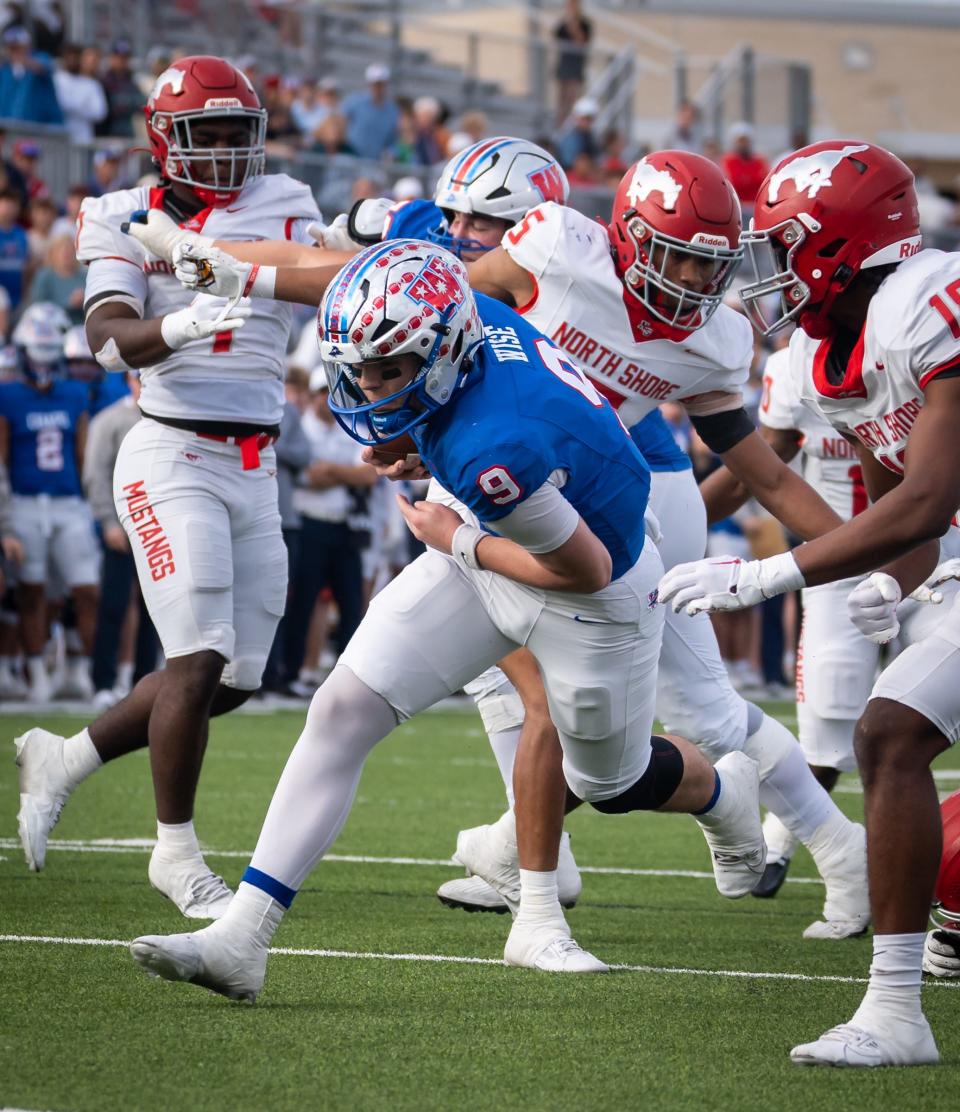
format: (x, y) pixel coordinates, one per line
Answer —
(403, 448)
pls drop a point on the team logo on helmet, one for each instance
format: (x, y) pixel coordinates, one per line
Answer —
(171, 79)
(546, 180)
(437, 286)
(648, 179)
(811, 172)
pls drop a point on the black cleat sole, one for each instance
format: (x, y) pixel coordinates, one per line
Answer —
(774, 874)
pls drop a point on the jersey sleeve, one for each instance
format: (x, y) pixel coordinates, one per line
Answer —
(283, 207)
(495, 480)
(536, 239)
(114, 260)
(542, 522)
(916, 317)
(780, 403)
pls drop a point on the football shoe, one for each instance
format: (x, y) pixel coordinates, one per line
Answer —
(223, 961)
(549, 948)
(732, 827)
(851, 1046)
(189, 883)
(44, 788)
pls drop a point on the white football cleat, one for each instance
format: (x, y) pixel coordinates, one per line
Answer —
(549, 948)
(472, 893)
(44, 789)
(732, 828)
(76, 682)
(40, 686)
(189, 882)
(941, 953)
(846, 910)
(220, 960)
(851, 1046)
(486, 852)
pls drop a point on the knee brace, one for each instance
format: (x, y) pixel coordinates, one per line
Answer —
(655, 786)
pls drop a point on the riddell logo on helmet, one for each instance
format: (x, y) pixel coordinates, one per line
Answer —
(705, 239)
(222, 102)
(810, 172)
(648, 179)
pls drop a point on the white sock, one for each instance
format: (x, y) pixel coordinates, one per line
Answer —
(124, 676)
(504, 745)
(539, 902)
(781, 844)
(178, 838)
(893, 993)
(80, 757)
(252, 912)
(315, 792)
(787, 786)
(36, 667)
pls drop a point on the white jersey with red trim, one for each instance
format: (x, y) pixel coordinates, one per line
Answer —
(234, 377)
(580, 302)
(911, 334)
(831, 464)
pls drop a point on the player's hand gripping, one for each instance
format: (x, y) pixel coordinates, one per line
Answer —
(431, 522)
(728, 583)
(210, 270)
(410, 468)
(872, 604)
(201, 319)
(160, 234)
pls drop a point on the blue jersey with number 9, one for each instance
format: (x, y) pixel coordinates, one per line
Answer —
(43, 436)
(528, 413)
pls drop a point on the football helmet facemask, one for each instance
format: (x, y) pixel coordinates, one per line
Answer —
(200, 90)
(823, 214)
(670, 206)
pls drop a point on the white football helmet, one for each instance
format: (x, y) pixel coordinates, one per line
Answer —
(393, 298)
(38, 338)
(501, 177)
(81, 364)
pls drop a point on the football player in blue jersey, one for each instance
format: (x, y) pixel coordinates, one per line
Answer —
(547, 549)
(43, 424)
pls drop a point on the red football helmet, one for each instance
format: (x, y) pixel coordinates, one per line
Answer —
(198, 89)
(823, 214)
(668, 204)
(946, 894)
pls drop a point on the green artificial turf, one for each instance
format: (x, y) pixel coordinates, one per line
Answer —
(82, 1029)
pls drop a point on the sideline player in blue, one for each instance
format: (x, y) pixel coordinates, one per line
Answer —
(43, 426)
(552, 554)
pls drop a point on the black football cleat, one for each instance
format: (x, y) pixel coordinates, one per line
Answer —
(774, 874)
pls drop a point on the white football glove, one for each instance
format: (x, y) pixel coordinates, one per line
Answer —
(335, 236)
(201, 319)
(941, 953)
(728, 583)
(942, 573)
(872, 607)
(160, 234)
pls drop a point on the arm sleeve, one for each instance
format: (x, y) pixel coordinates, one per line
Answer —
(542, 522)
(723, 431)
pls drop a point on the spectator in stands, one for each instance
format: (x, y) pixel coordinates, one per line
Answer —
(612, 163)
(118, 574)
(107, 173)
(47, 22)
(307, 110)
(293, 455)
(27, 82)
(61, 279)
(431, 137)
(372, 116)
(474, 125)
(408, 188)
(745, 169)
(573, 34)
(42, 215)
(584, 173)
(330, 554)
(14, 248)
(66, 225)
(687, 132)
(282, 132)
(329, 136)
(82, 99)
(25, 156)
(579, 137)
(9, 174)
(124, 99)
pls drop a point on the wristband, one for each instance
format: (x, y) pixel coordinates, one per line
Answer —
(261, 282)
(779, 574)
(463, 547)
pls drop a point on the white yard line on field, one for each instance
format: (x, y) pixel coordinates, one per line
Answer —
(458, 959)
(145, 845)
